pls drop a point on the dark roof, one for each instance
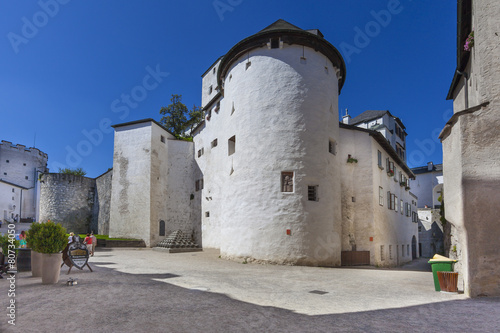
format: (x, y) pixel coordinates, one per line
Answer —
(374, 114)
(280, 25)
(385, 144)
(289, 34)
(367, 116)
(425, 169)
(464, 27)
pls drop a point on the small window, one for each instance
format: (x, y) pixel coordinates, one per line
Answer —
(395, 174)
(395, 203)
(389, 200)
(390, 252)
(401, 207)
(162, 138)
(402, 250)
(26, 177)
(13, 190)
(287, 182)
(24, 164)
(231, 145)
(7, 161)
(162, 228)
(379, 155)
(214, 143)
(408, 249)
(210, 89)
(199, 184)
(332, 147)
(214, 71)
(312, 193)
(275, 43)
(12, 198)
(200, 152)
(5, 173)
(380, 196)
(419, 228)
(382, 257)
(207, 214)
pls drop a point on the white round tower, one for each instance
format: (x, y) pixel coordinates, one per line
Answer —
(274, 184)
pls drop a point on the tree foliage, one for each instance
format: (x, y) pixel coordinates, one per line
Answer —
(76, 172)
(178, 119)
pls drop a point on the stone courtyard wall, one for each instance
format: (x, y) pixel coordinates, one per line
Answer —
(102, 200)
(67, 199)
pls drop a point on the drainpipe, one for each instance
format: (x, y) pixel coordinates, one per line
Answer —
(466, 93)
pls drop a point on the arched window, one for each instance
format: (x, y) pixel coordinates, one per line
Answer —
(162, 228)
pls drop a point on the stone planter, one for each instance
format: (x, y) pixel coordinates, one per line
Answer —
(36, 264)
(51, 267)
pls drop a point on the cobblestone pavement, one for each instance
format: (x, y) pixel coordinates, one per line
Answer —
(140, 290)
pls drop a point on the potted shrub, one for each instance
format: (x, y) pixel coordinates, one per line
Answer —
(50, 240)
(36, 257)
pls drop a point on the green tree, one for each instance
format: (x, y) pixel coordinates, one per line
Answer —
(177, 118)
(76, 172)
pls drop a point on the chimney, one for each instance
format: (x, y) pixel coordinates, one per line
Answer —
(430, 166)
(346, 118)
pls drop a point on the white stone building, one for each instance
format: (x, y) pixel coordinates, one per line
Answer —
(19, 187)
(428, 187)
(382, 121)
(268, 176)
(471, 148)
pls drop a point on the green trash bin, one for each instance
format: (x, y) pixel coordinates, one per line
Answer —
(440, 264)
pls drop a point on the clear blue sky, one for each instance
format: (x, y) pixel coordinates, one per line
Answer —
(66, 70)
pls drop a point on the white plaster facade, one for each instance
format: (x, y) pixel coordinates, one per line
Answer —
(19, 170)
(378, 212)
(471, 150)
(382, 121)
(428, 185)
(152, 182)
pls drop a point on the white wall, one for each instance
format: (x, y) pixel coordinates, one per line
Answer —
(365, 217)
(130, 212)
(285, 111)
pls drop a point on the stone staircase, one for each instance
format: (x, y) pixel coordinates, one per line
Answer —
(177, 242)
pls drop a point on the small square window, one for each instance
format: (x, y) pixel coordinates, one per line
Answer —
(25, 177)
(207, 214)
(7, 161)
(24, 164)
(162, 138)
(332, 147)
(287, 182)
(312, 193)
(200, 152)
(5, 173)
(275, 43)
(214, 143)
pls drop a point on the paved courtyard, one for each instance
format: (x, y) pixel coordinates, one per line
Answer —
(141, 290)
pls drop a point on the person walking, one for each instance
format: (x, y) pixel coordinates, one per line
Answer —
(94, 242)
(88, 242)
